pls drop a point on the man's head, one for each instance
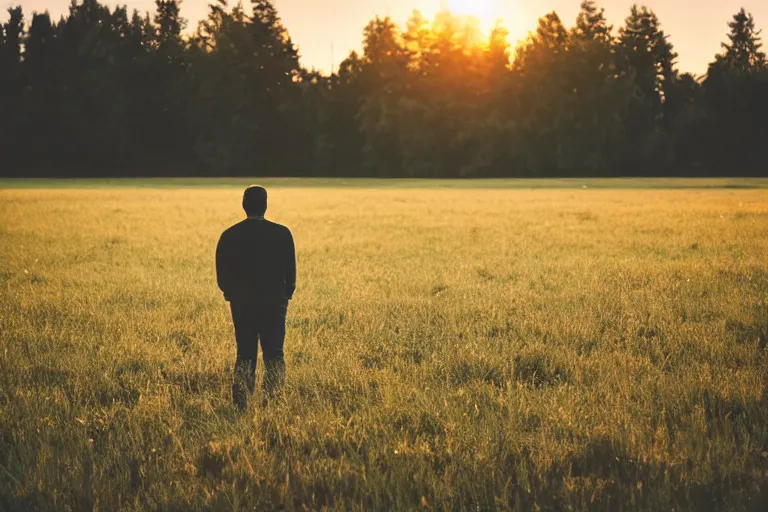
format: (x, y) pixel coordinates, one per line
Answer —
(255, 201)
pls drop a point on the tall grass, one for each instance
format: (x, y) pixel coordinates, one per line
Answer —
(446, 350)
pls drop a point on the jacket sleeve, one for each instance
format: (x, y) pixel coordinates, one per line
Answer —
(290, 266)
(224, 266)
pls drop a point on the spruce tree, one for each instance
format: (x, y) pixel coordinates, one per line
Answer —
(591, 23)
(743, 53)
(11, 88)
(647, 53)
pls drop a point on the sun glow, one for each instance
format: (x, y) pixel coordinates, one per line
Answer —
(509, 14)
(483, 10)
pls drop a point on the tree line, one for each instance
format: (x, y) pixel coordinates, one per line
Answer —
(104, 93)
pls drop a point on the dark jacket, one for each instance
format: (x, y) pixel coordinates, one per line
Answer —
(256, 262)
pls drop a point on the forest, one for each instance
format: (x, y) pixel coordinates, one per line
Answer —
(103, 92)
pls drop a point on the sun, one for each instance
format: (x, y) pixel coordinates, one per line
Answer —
(483, 10)
(510, 15)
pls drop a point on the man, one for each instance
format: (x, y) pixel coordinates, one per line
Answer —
(256, 270)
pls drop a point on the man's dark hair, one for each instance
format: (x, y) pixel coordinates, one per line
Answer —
(255, 200)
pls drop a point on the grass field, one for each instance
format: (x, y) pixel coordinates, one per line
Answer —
(449, 348)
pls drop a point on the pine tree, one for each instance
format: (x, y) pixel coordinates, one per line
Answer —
(140, 34)
(600, 93)
(247, 91)
(735, 93)
(544, 98)
(167, 136)
(551, 33)
(498, 49)
(417, 36)
(743, 53)
(11, 90)
(384, 76)
(591, 24)
(13, 34)
(39, 41)
(169, 23)
(41, 101)
(10, 53)
(647, 58)
(339, 143)
(277, 46)
(648, 54)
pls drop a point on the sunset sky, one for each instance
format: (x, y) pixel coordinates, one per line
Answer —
(696, 27)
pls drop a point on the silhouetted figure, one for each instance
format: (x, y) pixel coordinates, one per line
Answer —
(256, 270)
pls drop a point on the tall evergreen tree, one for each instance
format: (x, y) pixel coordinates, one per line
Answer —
(736, 98)
(169, 25)
(544, 97)
(166, 89)
(591, 24)
(41, 98)
(743, 53)
(13, 32)
(11, 89)
(648, 58)
(247, 76)
(648, 54)
(686, 124)
(601, 93)
(498, 48)
(445, 124)
(339, 144)
(384, 76)
(93, 101)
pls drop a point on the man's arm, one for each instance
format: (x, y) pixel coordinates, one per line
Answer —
(223, 265)
(290, 266)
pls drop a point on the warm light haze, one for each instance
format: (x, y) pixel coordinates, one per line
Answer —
(325, 31)
(483, 10)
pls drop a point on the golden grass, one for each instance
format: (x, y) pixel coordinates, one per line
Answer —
(446, 350)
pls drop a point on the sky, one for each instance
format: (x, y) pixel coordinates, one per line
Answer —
(325, 31)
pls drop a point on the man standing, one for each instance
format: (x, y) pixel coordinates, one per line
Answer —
(256, 270)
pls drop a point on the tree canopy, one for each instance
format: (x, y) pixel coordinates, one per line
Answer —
(101, 92)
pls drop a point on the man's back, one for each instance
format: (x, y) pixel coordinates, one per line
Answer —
(256, 262)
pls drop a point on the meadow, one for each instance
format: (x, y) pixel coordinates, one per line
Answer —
(481, 346)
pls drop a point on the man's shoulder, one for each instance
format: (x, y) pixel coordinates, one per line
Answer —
(278, 227)
(234, 232)
(248, 227)
(234, 228)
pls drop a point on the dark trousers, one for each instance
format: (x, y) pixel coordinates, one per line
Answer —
(254, 323)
